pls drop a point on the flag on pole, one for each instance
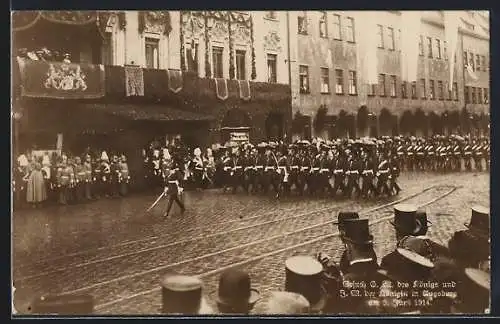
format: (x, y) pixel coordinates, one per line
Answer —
(367, 46)
(471, 73)
(410, 34)
(451, 24)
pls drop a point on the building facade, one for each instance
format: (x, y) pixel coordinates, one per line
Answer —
(328, 90)
(234, 71)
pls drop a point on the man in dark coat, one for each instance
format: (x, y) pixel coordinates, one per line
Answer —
(174, 189)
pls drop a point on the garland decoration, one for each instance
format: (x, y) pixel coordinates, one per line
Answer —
(231, 54)
(181, 36)
(208, 70)
(254, 71)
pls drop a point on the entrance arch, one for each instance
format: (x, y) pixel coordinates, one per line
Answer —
(235, 121)
(362, 121)
(275, 126)
(420, 123)
(435, 123)
(386, 121)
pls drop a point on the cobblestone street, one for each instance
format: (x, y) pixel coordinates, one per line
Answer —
(114, 251)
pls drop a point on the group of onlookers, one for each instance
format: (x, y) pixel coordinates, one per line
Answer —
(67, 179)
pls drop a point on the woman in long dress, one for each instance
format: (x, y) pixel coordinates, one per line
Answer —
(36, 192)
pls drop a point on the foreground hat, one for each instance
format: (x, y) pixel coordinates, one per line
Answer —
(303, 276)
(286, 303)
(235, 290)
(405, 219)
(183, 295)
(480, 220)
(357, 231)
(75, 304)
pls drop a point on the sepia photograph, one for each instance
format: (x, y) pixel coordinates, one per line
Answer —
(280, 163)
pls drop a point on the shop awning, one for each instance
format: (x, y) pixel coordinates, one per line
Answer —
(141, 112)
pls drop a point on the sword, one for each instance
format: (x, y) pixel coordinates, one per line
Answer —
(156, 201)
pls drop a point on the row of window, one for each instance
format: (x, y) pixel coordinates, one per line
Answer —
(476, 95)
(391, 42)
(339, 23)
(434, 90)
(240, 66)
(479, 64)
(434, 48)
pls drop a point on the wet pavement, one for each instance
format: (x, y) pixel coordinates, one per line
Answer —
(114, 251)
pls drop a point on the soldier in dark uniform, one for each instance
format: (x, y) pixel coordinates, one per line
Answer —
(305, 168)
(237, 169)
(467, 155)
(282, 175)
(324, 172)
(197, 167)
(293, 177)
(393, 175)
(368, 175)
(383, 172)
(174, 189)
(353, 174)
(227, 168)
(339, 173)
(97, 184)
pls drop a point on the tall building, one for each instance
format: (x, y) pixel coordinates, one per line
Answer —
(331, 98)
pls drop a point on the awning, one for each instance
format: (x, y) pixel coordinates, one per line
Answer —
(141, 112)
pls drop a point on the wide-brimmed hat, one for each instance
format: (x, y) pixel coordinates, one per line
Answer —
(357, 231)
(74, 304)
(405, 219)
(303, 276)
(480, 220)
(183, 295)
(235, 290)
(286, 303)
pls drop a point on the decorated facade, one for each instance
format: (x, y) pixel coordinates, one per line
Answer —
(134, 75)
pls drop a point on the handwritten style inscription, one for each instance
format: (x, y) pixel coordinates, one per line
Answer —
(65, 77)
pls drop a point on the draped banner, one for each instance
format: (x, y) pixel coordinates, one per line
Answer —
(175, 80)
(221, 88)
(366, 34)
(451, 23)
(244, 87)
(410, 35)
(134, 81)
(41, 79)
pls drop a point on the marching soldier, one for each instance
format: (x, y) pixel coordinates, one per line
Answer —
(97, 184)
(339, 173)
(293, 178)
(353, 175)
(174, 189)
(368, 175)
(155, 163)
(478, 156)
(393, 176)
(457, 154)
(227, 170)
(383, 172)
(467, 156)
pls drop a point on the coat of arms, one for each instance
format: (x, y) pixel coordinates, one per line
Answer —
(65, 77)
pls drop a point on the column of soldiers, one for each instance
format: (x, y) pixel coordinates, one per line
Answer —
(361, 168)
(351, 168)
(73, 179)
